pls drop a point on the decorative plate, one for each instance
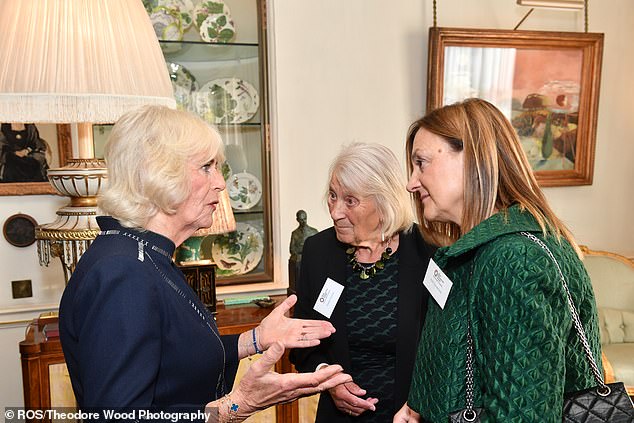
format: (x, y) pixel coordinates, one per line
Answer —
(245, 190)
(226, 170)
(214, 23)
(19, 230)
(185, 9)
(227, 100)
(238, 252)
(183, 83)
(167, 23)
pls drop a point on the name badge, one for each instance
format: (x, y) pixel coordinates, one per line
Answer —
(328, 297)
(437, 283)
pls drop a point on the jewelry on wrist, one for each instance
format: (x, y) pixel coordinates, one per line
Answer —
(232, 408)
(255, 342)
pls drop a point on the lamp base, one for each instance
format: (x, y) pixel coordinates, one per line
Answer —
(71, 233)
(67, 237)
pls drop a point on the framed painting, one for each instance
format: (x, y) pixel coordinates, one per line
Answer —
(546, 83)
(27, 151)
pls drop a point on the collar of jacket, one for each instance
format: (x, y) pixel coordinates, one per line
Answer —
(511, 220)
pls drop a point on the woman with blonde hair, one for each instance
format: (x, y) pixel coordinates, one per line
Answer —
(375, 254)
(134, 334)
(477, 198)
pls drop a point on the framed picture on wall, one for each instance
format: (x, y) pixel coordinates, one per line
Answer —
(546, 83)
(27, 151)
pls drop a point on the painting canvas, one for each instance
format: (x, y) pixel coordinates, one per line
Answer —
(27, 151)
(545, 83)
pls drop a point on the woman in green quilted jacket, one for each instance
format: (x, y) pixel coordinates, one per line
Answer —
(475, 193)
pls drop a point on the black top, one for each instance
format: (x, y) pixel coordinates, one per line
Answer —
(325, 257)
(134, 334)
(371, 325)
(22, 154)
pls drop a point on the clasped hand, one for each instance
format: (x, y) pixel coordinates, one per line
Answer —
(347, 398)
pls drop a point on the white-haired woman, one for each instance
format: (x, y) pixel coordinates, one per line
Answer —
(133, 333)
(377, 254)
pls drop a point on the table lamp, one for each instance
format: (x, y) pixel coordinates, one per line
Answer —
(79, 62)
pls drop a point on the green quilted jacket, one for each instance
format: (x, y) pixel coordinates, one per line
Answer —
(526, 350)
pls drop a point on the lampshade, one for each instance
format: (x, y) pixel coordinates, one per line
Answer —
(66, 61)
(78, 62)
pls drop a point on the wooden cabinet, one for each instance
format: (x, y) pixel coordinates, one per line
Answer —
(43, 365)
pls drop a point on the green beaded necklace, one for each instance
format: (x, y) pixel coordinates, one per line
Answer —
(366, 272)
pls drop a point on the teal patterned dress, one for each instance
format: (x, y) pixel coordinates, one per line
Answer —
(526, 350)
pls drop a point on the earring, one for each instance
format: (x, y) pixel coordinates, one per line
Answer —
(382, 236)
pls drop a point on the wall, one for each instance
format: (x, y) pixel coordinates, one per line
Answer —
(355, 70)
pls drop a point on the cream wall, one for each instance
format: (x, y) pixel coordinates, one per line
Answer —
(355, 70)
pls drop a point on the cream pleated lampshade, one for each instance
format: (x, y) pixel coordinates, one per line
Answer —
(66, 61)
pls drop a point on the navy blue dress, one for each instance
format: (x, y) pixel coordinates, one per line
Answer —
(134, 334)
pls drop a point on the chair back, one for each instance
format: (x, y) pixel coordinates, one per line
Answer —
(612, 278)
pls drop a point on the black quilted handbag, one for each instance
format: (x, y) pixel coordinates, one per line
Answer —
(600, 404)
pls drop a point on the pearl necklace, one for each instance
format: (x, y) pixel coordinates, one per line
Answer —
(366, 272)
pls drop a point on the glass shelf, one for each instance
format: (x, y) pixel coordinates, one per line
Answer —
(253, 210)
(198, 51)
(228, 126)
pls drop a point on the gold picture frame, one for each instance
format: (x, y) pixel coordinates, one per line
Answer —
(60, 152)
(546, 83)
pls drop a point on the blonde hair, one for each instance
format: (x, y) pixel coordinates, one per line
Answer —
(497, 173)
(147, 155)
(372, 171)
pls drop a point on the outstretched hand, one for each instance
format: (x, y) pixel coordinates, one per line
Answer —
(261, 387)
(293, 333)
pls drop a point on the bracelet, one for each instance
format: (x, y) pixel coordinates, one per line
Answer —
(255, 343)
(232, 408)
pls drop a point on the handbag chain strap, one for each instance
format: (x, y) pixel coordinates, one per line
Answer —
(575, 316)
(469, 414)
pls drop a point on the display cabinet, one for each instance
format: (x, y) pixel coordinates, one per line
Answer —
(216, 55)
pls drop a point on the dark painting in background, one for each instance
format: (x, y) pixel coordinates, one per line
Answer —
(27, 151)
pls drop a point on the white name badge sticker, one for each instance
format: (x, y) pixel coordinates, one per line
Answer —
(437, 283)
(328, 297)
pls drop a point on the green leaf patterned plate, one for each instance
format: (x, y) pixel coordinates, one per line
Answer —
(183, 83)
(227, 101)
(238, 252)
(245, 190)
(214, 22)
